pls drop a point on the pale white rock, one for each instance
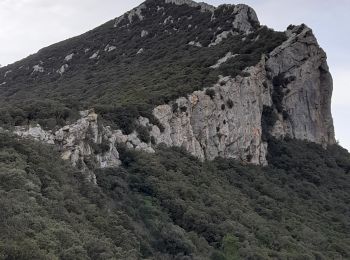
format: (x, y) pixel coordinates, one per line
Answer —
(160, 8)
(62, 69)
(244, 17)
(209, 128)
(110, 48)
(228, 56)
(196, 44)
(143, 121)
(94, 55)
(3, 83)
(69, 57)
(256, 38)
(77, 141)
(35, 132)
(144, 33)
(220, 37)
(129, 145)
(136, 11)
(307, 98)
(7, 72)
(133, 139)
(169, 19)
(140, 51)
(130, 15)
(38, 68)
(87, 50)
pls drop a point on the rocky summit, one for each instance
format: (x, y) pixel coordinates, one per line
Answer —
(178, 130)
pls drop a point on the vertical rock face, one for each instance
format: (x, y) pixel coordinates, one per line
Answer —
(299, 69)
(288, 93)
(226, 120)
(221, 121)
(245, 18)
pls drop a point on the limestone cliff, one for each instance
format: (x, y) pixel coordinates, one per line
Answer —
(293, 81)
(299, 68)
(288, 93)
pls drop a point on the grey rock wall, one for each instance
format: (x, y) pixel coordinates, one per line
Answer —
(307, 98)
(224, 120)
(207, 127)
(225, 124)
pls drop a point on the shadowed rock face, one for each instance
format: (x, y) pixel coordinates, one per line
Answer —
(228, 119)
(307, 98)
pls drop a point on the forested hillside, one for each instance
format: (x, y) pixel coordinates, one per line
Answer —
(171, 206)
(177, 131)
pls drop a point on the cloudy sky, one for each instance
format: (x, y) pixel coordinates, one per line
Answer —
(28, 25)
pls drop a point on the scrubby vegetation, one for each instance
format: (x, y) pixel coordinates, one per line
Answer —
(121, 84)
(171, 206)
(166, 205)
(49, 211)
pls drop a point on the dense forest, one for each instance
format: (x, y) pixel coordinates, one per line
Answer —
(169, 205)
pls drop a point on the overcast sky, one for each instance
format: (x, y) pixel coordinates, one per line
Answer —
(29, 25)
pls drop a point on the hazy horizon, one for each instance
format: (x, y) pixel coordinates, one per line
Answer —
(29, 25)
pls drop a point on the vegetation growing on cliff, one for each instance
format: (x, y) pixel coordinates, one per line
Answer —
(168, 68)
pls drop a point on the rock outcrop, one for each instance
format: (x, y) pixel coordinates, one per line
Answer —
(87, 144)
(299, 68)
(245, 18)
(204, 7)
(288, 93)
(226, 120)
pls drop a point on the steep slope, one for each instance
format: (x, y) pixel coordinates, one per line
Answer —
(161, 112)
(249, 81)
(169, 205)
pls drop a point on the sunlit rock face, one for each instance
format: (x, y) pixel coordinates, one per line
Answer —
(229, 122)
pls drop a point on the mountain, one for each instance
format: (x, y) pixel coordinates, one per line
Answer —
(176, 131)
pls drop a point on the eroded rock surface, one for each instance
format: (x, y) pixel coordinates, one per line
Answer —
(224, 121)
(293, 81)
(87, 144)
(299, 67)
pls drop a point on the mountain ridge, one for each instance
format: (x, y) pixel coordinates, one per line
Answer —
(288, 88)
(178, 134)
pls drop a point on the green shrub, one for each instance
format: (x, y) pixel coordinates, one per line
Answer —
(210, 92)
(229, 103)
(143, 133)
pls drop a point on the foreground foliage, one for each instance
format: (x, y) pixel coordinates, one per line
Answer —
(171, 206)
